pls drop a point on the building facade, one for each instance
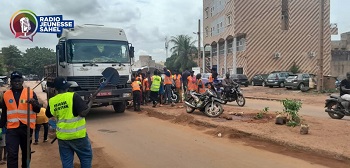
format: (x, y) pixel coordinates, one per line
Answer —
(251, 37)
(342, 44)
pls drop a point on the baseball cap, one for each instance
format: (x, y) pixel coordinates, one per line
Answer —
(61, 83)
(16, 74)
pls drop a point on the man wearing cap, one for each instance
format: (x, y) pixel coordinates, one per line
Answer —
(70, 110)
(14, 114)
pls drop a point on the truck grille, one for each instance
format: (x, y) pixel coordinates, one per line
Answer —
(93, 82)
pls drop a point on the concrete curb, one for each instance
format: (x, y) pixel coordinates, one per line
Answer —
(242, 133)
(266, 98)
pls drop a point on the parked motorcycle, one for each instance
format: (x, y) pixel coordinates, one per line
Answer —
(208, 103)
(334, 108)
(174, 95)
(234, 94)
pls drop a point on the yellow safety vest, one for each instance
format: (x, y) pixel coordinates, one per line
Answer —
(156, 83)
(69, 127)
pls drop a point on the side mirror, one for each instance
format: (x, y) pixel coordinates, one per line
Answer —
(131, 52)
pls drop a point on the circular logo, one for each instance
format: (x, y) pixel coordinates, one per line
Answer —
(11, 101)
(102, 80)
(24, 24)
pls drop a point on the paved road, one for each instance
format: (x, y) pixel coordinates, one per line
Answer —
(134, 140)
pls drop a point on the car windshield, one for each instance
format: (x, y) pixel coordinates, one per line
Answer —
(273, 75)
(100, 51)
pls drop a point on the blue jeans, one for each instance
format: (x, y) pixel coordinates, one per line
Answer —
(37, 130)
(81, 147)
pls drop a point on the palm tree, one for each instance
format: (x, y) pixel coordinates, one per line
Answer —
(183, 48)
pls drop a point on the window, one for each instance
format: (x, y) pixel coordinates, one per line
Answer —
(241, 41)
(228, 20)
(211, 31)
(206, 31)
(211, 11)
(206, 12)
(284, 15)
(218, 28)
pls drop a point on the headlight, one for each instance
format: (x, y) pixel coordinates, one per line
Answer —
(126, 94)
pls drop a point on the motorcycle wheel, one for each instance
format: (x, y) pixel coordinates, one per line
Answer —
(240, 100)
(213, 109)
(223, 98)
(332, 106)
(188, 108)
(175, 98)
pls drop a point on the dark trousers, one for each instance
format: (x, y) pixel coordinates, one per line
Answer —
(37, 130)
(154, 97)
(17, 137)
(137, 99)
(146, 96)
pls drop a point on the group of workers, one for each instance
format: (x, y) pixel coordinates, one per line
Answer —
(148, 87)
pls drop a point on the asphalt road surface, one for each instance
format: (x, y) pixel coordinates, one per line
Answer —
(135, 140)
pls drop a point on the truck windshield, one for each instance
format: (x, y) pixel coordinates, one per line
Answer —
(98, 51)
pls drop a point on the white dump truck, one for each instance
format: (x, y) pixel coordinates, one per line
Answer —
(82, 53)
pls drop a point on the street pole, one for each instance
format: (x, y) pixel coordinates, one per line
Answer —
(199, 42)
(321, 39)
(166, 47)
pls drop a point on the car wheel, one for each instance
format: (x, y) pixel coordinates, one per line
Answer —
(301, 86)
(281, 84)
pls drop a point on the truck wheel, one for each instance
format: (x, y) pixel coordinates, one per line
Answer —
(119, 107)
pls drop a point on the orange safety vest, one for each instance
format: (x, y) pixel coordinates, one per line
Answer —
(177, 79)
(135, 86)
(17, 114)
(167, 79)
(145, 84)
(191, 84)
(200, 89)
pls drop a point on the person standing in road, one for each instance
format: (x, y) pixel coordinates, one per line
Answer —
(178, 84)
(41, 119)
(155, 86)
(185, 74)
(345, 92)
(146, 88)
(167, 86)
(70, 111)
(14, 114)
(136, 93)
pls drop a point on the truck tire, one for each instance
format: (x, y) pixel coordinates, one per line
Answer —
(119, 107)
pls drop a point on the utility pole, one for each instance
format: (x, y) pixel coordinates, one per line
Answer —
(321, 39)
(199, 42)
(166, 47)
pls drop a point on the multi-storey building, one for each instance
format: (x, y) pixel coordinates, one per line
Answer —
(260, 36)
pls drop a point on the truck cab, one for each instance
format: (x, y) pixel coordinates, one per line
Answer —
(82, 53)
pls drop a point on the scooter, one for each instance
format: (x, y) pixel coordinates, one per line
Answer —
(334, 107)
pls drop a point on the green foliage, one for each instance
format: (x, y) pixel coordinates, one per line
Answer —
(295, 68)
(30, 62)
(182, 52)
(36, 58)
(262, 113)
(291, 108)
(13, 59)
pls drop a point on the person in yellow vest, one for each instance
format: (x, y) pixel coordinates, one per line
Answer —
(178, 83)
(136, 93)
(41, 119)
(14, 114)
(155, 86)
(167, 86)
(70, 111)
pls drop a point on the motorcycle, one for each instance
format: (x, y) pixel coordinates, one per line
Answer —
(233, 94)
(334, 107)
(208, 103)
(174, 95)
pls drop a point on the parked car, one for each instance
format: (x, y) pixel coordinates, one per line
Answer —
(259, 80)
(43, 85)
(240, 79)
(277, 78)
(297, 81)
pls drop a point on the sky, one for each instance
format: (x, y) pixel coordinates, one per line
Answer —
(146, 22)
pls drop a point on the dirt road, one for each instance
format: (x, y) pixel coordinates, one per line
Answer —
(134, 140)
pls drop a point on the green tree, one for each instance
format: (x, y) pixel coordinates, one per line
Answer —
(295, 68)
(2, 67)
(13, 59)
(36, 58)
(182, 52)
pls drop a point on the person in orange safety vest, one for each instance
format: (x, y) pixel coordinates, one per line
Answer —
(136, 92)
(14, 114)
